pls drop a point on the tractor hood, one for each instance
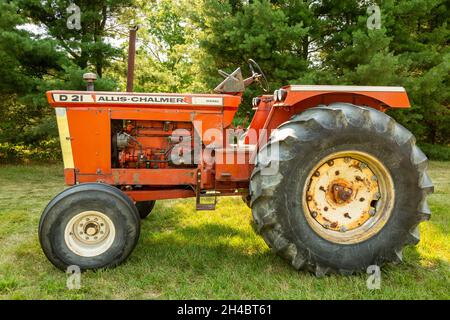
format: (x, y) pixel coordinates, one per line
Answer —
(86, 98)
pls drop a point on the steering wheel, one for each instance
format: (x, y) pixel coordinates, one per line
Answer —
(258, 75)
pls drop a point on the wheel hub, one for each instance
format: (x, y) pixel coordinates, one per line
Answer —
(343, 194)
(91, 229)
(89, 233)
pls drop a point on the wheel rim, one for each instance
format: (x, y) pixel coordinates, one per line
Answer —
(349, 197)
(89, 233)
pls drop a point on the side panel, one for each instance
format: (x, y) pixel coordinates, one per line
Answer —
(125, 139)
(233, 164)
(91, 139)
(160, 177)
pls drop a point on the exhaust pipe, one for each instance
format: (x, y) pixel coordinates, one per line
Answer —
(131, 57)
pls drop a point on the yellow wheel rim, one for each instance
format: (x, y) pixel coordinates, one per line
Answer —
(348, 197)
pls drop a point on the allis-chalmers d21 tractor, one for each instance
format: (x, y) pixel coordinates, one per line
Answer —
(334, 184)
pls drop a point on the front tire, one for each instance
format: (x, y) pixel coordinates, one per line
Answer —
(309, 211)
(89, 225)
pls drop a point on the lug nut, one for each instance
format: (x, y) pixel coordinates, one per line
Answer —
(330, 163)
(309, 198)
(314, 214)
(377, 196)
(372, 212)
(343, 229)
(317, 173)
(346, 159)
(362, 165)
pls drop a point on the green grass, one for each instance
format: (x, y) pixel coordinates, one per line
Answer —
(184, 254)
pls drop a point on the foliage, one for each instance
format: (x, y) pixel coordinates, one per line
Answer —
(436, 152)
(181, 44)
(84, 47)
(33, 62)
(328, 42)
(168, 47)
(45, 150)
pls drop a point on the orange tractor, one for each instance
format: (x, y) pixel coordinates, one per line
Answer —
(334, 184)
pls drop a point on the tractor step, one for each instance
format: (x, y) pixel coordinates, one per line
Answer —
(206, 206)
(199, 195)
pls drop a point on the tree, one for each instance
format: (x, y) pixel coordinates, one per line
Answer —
(420, 34)
(167, 46)
(87, 46)
(25, 62)
(410, 49)
(52, 57)
(181, 44)
(274, 34)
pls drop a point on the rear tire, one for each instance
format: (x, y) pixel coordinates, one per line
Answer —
(89, 225)
(280, 200)
(145, 208)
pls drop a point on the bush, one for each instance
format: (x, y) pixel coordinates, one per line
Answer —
(436, 152)
(47, 150)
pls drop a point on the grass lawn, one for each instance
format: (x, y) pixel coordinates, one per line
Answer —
(184, 254)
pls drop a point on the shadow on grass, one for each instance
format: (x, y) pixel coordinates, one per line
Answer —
(206, 248)
(214, 247)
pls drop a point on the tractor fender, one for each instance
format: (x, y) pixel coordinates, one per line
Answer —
(300, 98)
(373, 96)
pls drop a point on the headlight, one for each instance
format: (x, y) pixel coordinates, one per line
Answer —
(281, 94)
(275, 96)
(256, 101)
